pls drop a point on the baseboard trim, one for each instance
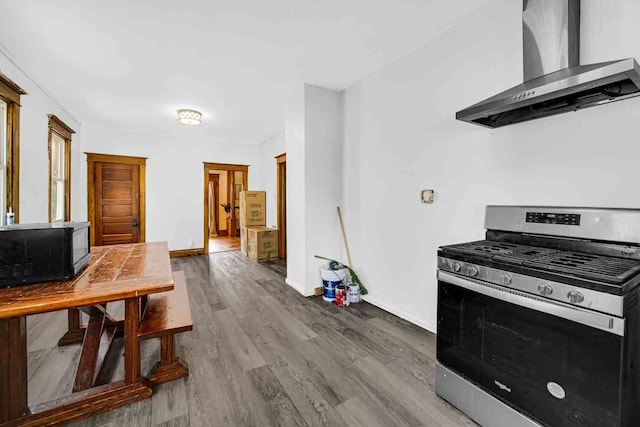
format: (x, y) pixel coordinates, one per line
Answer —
(186, 252)
(424, 325)
(301, 289)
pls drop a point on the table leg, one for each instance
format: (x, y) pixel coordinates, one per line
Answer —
(75, 331)
(13, 368)
(96, 400)
(131, 343)
(73, 319)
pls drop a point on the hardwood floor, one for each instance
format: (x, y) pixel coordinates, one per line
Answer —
(223, 244)
(260, 354)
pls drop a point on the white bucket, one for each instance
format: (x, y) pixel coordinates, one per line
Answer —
(331, 279)
(353, 292)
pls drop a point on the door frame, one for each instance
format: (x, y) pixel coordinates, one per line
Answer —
(281, 200)
(92, 159)
(216, 191)
(207, 166)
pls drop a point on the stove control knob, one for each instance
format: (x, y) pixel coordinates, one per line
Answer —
(545, 290)
(473, 270)
(456, 267)
(505, 279)
(575, 297)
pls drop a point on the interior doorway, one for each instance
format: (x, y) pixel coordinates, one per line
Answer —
(281, 191)
(222, 186)
(116, 198)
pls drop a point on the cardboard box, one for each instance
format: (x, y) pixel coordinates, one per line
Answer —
(243, 240)
(253, 208)
(262, 243)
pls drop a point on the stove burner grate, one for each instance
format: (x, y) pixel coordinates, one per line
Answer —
(504, 251)
(590, 266)
(607, 269)
(486, 247)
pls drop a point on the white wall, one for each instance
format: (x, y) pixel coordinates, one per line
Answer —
(401, 121)
(323, 178)
(175, 190)
(314, 182)
(34, 151)
(264, 173)
(296, 197)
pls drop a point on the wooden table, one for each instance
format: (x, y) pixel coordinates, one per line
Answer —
(120, 272)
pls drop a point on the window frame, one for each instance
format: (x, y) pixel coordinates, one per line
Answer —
(58, 127)
(10, 93)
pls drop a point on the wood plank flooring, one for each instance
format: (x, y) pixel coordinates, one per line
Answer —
(262, 355)
(224, 244)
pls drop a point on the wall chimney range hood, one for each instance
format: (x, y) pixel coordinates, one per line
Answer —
(554, 82)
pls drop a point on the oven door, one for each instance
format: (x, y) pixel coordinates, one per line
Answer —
(558, 364)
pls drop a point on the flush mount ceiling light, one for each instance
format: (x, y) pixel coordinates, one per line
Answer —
(189, 117)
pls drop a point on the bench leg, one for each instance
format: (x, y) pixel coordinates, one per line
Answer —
(169, 368)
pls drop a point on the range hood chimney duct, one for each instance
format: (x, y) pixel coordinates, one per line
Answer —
(554, 80)
(550, 36)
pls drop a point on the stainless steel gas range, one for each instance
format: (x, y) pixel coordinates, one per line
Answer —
(538, 324)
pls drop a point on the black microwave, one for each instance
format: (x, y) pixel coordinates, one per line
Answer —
(34, 253)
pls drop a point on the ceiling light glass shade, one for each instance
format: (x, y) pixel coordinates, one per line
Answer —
(189, 117)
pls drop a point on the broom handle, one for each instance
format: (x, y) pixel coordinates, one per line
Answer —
(344, 236)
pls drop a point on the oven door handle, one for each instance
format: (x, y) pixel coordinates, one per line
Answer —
(604, 322)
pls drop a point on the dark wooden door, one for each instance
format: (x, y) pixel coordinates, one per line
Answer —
(117, 203)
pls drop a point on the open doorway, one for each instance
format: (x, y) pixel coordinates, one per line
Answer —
(222, 186)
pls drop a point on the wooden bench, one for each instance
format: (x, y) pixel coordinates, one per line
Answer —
(167, 314)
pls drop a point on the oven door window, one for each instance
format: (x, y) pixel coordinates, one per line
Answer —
(557, 371)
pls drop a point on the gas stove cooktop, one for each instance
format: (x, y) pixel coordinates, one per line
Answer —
(593, 267)
(585, 257)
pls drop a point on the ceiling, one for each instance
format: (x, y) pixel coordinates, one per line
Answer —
(131, 64)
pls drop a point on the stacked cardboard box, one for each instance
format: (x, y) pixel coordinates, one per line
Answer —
(258, 242)
(262, 243)
(253, 208)
(243, 240)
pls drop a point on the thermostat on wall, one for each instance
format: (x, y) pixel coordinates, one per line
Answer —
(426, 196)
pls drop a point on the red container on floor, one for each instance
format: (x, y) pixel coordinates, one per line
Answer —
(341, 295)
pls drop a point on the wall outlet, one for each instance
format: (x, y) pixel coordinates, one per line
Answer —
(191, 243)
(426, 196)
